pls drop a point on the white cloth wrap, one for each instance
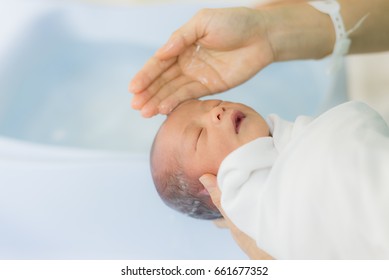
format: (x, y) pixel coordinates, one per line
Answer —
(319, 189)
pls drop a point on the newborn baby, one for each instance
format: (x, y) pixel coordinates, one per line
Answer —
(311, 189)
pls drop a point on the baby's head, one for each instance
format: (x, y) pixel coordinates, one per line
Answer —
(193, 141)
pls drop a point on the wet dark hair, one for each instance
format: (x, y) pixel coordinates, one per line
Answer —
(178, 191)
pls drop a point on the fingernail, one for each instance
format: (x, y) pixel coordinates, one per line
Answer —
(165, 48)
(164, 109)
(135, 104)
(132, 88)
(148, 112)
(145, 113)
(135, 87)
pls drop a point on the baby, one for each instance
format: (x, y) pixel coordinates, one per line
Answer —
(194, 140)
(311, 189)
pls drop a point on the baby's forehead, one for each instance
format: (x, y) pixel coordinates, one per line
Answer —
(174, 129)
(185, 105)
(191, 104)
(169, 129)
(181, 114)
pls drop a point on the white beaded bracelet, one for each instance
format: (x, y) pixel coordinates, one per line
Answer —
(342, 43)
(332, 8)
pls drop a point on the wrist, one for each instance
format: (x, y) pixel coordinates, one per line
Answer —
(299, 32)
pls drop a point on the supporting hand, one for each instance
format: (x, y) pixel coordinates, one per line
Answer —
(246, 243)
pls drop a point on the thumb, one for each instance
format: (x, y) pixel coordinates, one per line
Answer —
(209, 182)
(181, 39)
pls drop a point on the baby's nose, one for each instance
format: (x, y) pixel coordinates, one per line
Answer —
(217, 114)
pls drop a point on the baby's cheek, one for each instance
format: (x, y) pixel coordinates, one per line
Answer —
(225, 149)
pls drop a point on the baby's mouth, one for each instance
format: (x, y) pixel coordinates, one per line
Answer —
(237, 119)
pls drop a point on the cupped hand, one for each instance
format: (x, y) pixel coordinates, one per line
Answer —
(216, 50)
(245, 242)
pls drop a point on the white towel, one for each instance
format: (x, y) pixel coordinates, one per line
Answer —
(323, 193)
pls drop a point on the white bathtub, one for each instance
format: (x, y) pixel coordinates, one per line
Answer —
(74, 178)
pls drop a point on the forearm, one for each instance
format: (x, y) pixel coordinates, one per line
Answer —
(298, 31)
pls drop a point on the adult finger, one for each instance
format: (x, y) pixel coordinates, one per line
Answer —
(189, 34)
(141, 98)
(153, 68)
(180, 40)
(209, 182)
(152, 107)
(190, 90)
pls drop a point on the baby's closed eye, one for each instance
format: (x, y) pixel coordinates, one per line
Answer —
(199, 136)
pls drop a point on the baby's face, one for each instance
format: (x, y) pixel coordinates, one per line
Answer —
(202, 133)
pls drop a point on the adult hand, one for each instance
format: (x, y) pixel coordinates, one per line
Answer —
(216, 50)
(246, 243)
